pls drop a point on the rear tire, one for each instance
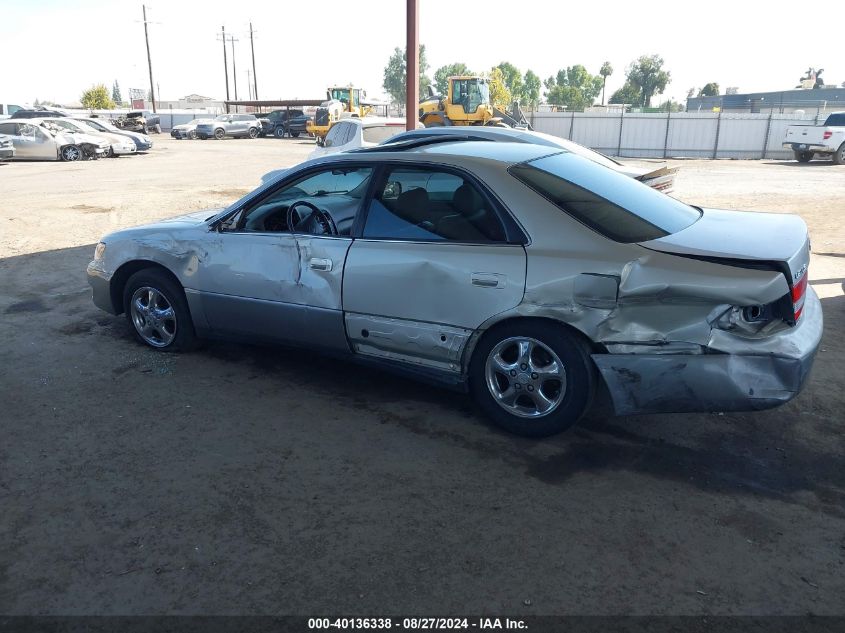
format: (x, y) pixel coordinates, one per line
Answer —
(803, 157)
(532, 377)
(219, 133)
(157, 311)
(279, 132)
(253, 132)
(192, 135)
(839, 156)
(294, 134)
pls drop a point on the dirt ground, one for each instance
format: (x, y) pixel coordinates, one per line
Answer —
(246, 480)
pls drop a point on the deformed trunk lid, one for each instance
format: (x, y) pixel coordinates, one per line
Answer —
(744, 236)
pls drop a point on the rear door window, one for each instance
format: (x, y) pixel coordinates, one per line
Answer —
(426, 204)
(836, 120)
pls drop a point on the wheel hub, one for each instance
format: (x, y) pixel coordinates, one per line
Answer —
(525, 377)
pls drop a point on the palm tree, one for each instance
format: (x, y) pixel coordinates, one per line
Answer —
(606, 69)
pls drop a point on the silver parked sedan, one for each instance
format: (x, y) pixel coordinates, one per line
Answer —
(524, 274)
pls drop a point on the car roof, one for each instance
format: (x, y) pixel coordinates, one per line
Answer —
(506, 153)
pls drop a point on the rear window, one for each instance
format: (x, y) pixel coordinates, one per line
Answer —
(837, 120)
(380, 133)
(608, 202)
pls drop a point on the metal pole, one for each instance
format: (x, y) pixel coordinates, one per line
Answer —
(225, 65)
(766, 139)
(412, 68)
(571, 124)
(718, 128)
(233, 39)
(149, 59)
(666, 138)
(254, 76)
(621, 123)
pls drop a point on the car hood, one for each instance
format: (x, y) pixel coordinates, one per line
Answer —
(742, 235)
(184, 221)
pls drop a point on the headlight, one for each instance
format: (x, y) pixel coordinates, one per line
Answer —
(99, 251)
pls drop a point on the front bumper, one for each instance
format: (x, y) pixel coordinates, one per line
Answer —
(121, 150)
(808, 147)
(744, 375)
(7, 153)
(100, 282)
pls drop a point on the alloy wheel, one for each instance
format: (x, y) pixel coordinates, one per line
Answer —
(153, 316)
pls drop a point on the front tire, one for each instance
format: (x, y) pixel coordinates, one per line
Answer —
(839, 156)
(532, 377)
(294, 134)
(157, 311)
(253, 132)
(71, 153)
(803, 157)
(192, 135)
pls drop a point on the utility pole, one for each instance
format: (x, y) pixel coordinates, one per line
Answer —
(254, 80)
(248, 84)
(233, 39)
(149, 59)
(225, 63)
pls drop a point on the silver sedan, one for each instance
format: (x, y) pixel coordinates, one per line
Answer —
(524, 274)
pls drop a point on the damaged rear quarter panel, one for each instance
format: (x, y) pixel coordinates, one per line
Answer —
(660, 298)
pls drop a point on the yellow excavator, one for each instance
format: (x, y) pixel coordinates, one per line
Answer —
(467, 102)
(341, 102)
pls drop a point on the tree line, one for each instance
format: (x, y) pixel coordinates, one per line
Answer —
(572, 87)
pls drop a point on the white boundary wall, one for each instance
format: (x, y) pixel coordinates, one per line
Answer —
(677, 134)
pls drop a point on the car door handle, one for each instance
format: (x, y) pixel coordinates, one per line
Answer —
(317, 263)
(488, 280)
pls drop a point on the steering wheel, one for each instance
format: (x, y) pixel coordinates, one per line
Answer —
(316, 222)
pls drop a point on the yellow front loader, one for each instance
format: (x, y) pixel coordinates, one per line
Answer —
(342, 102)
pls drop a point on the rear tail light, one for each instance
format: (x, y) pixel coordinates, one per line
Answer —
(799, 291)
(827, 134)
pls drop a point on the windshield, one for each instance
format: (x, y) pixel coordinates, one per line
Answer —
(470, 93)
(341, 94)
(608, 202)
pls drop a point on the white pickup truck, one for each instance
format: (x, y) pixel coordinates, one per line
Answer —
(808, 140)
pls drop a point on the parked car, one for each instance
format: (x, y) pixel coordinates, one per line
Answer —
(278, 121)
(662, 178)
(35, 114)
(349, 134)
(298, 125)
(142, 121)
(7, 148)
(523, 274)
(8, 109)
(235, 125)
(36, 139)
(828, 139)
(142, 141)
(118, 144)
(187, 130)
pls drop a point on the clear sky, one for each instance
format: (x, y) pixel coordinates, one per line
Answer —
(53, 49)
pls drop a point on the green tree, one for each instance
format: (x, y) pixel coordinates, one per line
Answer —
(628, 94)
(395, 74)
(115, 93)
(512, 79)
(671, 106)
(500, 96)
(97, 98)
(605, 72)
(573, 87)
(531, 88)
(647, 74)
(442, 74)
(709, 90)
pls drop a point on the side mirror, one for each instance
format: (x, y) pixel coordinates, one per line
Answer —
(328, 143)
